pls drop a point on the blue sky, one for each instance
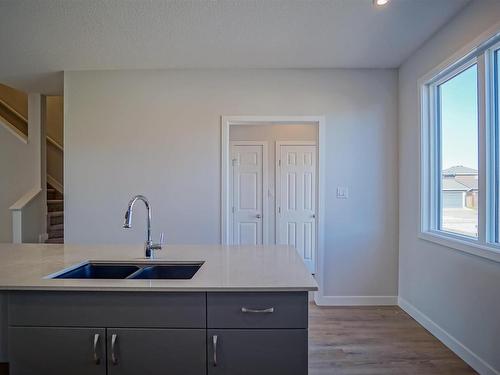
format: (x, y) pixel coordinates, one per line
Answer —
(459, 120)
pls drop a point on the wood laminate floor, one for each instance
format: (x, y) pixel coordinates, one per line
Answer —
(375, 340)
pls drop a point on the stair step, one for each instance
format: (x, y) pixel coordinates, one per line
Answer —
(51, 190)
(55, 240)
(54, 195)
(56, 220)
(56, 227)
(55, 213)
(55, 201)
(55, 207)
(56, 234)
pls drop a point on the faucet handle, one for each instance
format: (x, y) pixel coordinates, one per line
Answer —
(162, 237)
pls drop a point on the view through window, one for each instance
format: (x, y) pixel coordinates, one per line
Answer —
(497, 126)
(458, 115)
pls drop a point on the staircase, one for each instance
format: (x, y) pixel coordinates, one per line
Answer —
(55, 215)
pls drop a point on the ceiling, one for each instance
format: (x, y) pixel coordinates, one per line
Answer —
(41, 38)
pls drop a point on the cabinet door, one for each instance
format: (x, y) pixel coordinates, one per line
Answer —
(50, 351)
(257, 351)
(156, 351)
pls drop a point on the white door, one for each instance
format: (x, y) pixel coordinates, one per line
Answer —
(296, 200)
(248, 185)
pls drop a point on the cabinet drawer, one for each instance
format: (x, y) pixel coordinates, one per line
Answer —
(257, 352)
(257, 310)
(107, 309)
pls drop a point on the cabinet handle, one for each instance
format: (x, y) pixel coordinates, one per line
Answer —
(214, 340)
(114, 358)
(97, 360)
(263, 311)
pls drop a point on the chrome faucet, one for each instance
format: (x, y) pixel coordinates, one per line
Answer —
(149, 246)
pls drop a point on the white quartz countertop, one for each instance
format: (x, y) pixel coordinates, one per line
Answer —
(225, 268)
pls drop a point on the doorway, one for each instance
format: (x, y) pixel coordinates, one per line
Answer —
(287, 208)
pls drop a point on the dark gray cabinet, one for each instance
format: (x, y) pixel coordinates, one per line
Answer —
(195, 333)
(257, 351)
(52, 351)
(156, 351)
(55, 350)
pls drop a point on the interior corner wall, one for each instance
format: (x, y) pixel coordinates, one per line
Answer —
(458, 293)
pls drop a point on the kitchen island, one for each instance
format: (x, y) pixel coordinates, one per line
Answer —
(243, 312)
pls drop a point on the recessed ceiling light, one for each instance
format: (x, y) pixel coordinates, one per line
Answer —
(380, 2)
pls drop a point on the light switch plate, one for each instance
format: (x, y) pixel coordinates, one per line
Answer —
(342, 192)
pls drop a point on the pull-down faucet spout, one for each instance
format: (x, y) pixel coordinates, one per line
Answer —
(149, 247)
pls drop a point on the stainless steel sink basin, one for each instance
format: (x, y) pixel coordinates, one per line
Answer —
(129, 270)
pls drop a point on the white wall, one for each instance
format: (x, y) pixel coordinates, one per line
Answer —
(19, 165)
(459, 292)
(271, 134)
(158, 133)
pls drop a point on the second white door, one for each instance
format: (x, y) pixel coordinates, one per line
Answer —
(249, 182)
(296, 199)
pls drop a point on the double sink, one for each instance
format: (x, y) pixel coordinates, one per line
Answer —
(127, 270)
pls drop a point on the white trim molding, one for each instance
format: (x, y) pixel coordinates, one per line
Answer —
(471, 358)
(54, 143)
(356, 300)
(55, 184)
(460, 243)
(13, 130)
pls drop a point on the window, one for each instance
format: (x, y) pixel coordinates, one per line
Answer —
(458, 127)
(460, 166)
(496, 119)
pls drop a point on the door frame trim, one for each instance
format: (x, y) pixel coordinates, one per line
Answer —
(277, 183)
(265, 186)
(320, 121)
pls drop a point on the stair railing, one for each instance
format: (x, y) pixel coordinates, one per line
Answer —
(25, 217)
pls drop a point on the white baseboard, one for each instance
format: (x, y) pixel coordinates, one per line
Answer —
(476, 362)
(355, 300)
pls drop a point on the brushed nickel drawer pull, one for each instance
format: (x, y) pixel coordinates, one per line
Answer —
(263, 311)
(214, 340)
(114, 358)
(97, 360)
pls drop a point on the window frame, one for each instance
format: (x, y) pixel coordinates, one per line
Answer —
(480, 52)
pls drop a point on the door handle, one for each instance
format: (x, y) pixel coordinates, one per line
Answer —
(114, 358)
(256, 311)
(214, 341)
(258, 216)
(97, 360)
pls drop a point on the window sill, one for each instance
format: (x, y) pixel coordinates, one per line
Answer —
(469, 247)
